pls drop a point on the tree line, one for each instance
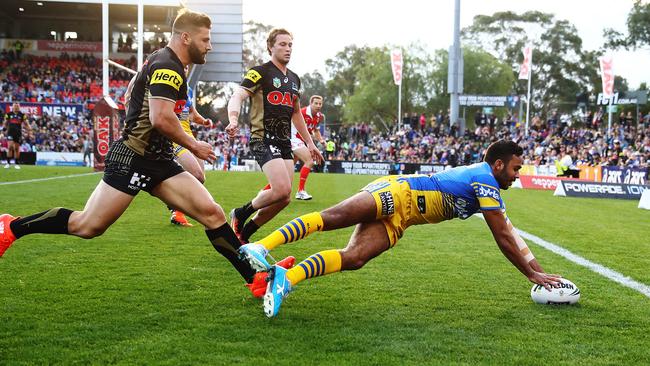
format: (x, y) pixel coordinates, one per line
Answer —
(358, 84)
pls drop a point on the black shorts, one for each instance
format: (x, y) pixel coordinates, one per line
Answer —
(265, 150)
(15, 136)
(130, 173)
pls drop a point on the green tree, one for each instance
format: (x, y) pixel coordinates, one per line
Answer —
(254, 51)
(638, 29)
(362, 83)
(561, 68)
(212, 98)
(484, 74)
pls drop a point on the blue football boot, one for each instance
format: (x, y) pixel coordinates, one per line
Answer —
(277, 289)
(255, 254)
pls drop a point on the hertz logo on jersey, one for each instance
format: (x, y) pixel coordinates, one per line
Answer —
(253, 76)
(168, 77)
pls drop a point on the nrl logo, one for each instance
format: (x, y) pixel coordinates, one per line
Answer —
(276, 82)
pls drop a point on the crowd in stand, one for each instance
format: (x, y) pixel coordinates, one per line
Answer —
(77, 79)
(545, 144)
(68, 78)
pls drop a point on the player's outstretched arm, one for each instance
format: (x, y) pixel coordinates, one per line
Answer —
(234, 107)
(523, 248)
(299, 121)
(508, 245)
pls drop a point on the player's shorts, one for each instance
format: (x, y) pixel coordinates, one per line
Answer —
(395, 206)
(297, 143)
(265, 150)
(15, 136)
(130, 173)
(178, 149)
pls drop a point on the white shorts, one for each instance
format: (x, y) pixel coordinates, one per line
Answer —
(297, 143)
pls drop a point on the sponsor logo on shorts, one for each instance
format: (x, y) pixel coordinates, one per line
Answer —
(253, 76)
(138, 181)
(167, 77)
(276, 82)
(422, 204)
(387, 203)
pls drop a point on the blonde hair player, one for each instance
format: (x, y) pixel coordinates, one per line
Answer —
(274, 91)
(143, 159)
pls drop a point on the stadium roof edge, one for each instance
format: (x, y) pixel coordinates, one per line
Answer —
(121, 2)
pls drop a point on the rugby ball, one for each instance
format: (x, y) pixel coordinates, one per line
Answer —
(563, 293)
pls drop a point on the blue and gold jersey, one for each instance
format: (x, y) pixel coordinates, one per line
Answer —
(405, 200)
(458, 192)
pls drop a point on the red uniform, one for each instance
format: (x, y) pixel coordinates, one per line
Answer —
(311, 120)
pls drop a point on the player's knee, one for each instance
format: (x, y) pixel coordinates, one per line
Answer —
(352, 260)
(91, 232)
(281, 193)
(213, 215)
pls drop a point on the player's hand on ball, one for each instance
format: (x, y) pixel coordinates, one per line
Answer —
(545, 279)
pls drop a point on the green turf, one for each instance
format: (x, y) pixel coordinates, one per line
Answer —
(150, 293)
(35, 172)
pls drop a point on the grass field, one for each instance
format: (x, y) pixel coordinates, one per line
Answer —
(147, 292)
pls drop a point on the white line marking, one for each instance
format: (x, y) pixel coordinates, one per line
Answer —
(44, 179)
(598, 268)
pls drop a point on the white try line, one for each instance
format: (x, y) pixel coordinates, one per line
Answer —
(598, 268)
(44, 179)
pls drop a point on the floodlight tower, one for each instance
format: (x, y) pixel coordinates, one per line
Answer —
(455, 73)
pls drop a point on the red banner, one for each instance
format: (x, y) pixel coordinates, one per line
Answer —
(541, 182)
(607, 74)
(69, 46)
(106, 129)
(524, 70)
(396, 64)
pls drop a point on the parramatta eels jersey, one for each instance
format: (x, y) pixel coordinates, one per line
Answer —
(162, 76)
(458, 192)
(274, 95)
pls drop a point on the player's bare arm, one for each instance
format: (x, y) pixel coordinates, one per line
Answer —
(197, 118)
(234, 107)
(319, 137)
(508, 246)
(524, 250)
(164, 119)
(299, 121)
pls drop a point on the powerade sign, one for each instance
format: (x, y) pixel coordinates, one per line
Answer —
(39, 109)
(602, 190)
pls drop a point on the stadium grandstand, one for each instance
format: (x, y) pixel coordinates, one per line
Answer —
(51, 63)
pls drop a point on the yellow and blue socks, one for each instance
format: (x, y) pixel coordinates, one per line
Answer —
(294, 230)
(319, 264)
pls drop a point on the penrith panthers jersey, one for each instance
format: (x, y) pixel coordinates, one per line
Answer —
(162, 77)
(274, 95)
